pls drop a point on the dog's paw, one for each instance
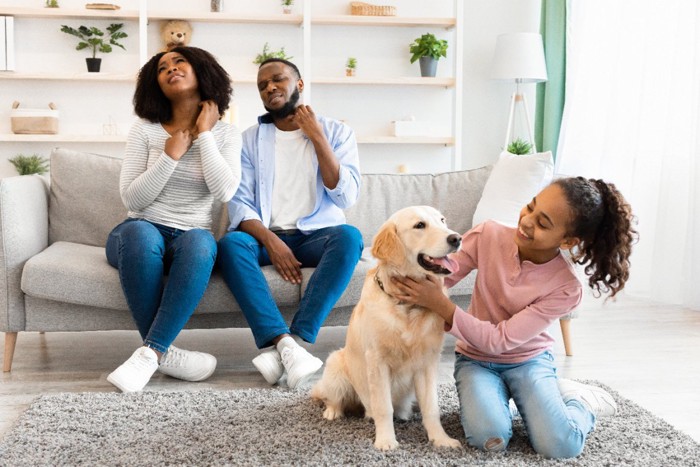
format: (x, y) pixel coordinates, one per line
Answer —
(332, 413)
(386, 444)
(446, 442)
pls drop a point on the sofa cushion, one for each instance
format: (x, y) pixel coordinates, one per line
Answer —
(79, 274)
(381, 195)
(84, 201)
(515, 179)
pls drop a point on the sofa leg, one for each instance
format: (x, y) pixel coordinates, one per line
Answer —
(565, 325)
(10, 341)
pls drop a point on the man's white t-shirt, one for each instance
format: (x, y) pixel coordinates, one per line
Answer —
(294, 190)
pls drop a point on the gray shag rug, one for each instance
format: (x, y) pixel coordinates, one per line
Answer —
(261, 427)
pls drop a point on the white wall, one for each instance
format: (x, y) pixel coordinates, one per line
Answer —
(486, 102)
(85, 107)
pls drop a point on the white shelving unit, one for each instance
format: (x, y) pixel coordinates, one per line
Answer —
(310, 27)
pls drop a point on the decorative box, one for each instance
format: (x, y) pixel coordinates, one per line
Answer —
(34, 121)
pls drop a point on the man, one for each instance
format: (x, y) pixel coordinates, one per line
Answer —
(299, 172)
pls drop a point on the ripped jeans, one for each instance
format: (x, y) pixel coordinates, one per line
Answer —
(556, 429)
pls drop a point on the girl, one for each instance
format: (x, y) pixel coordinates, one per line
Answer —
(524, 284)
(179, 158)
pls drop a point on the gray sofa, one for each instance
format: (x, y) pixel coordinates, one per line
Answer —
(53, 271)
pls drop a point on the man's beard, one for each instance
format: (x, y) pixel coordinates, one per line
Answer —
(287, 109)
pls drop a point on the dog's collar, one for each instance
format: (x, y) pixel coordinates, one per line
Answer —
(380, 284)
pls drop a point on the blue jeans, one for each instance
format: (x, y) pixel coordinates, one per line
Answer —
(144, 252)
(333, 251)
(556, 428)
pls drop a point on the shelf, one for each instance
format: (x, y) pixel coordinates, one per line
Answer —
(60, 138)
(206, 16)
(45, 76)
(444, 140)
(303, 22)
(209, 17)
(67, 13)
(249, 79)
(356, 20)
(401, 81)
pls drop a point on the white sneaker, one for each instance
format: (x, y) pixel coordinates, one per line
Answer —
(300, 365)
(187, 364)
(269, 364)
(134, 374)
(595, 399)
(514, 412)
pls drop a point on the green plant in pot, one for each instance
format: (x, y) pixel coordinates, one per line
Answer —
(519, 146)
(27, 165)
(428, 49)
(267, 53)
(287, 6)
(96, 40)
(350, 66)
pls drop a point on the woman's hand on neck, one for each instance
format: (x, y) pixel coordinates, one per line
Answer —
(184, 116)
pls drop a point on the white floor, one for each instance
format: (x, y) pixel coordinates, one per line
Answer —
(649, 353)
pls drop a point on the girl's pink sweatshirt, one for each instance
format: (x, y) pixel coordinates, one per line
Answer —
(513, 302)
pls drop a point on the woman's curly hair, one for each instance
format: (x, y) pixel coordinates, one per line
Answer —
(214, 84)
(603, 221)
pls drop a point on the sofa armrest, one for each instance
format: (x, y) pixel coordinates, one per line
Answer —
(24, 232)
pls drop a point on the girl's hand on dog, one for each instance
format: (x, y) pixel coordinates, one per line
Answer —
(426, 293)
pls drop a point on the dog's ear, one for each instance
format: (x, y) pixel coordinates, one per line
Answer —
(386, 243)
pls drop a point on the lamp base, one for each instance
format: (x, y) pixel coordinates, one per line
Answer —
(516, 131)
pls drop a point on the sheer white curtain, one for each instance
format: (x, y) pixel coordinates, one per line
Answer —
(631, 117)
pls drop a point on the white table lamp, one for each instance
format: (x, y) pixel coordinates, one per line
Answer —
(519, 57)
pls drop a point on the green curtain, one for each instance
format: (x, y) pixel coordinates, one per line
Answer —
(551, 94)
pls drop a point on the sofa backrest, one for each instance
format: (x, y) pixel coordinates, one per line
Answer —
(455, 194)
(84, 201)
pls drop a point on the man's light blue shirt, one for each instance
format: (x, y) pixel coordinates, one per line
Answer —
(253, 200)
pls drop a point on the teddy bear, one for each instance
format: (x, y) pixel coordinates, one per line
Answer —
(175, 33)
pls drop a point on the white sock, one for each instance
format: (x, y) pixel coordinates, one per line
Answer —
(287, 341)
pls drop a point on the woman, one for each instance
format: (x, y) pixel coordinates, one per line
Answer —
(179, 158)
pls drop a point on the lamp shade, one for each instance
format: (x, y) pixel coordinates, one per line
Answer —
(519, 57)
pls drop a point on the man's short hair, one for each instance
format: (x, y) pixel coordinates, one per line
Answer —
(286, 62)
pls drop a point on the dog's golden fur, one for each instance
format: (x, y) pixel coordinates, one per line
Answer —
(392, 349)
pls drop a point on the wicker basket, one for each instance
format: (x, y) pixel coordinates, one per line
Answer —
(34, 121)
(365, 9)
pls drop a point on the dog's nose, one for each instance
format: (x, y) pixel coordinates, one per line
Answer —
(454, 240)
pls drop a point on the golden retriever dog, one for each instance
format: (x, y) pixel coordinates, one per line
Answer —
(392, 349)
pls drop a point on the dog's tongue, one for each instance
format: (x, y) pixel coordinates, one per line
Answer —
(447, 263)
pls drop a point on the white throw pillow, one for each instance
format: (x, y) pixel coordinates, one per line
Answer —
(514, 180)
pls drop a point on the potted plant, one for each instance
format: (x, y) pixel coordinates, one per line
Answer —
(428, 49)
(27, 165)
(350, 66)
(267, 53)
(519, 146)
(287, 6)
(51, 3)
(97, 40)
